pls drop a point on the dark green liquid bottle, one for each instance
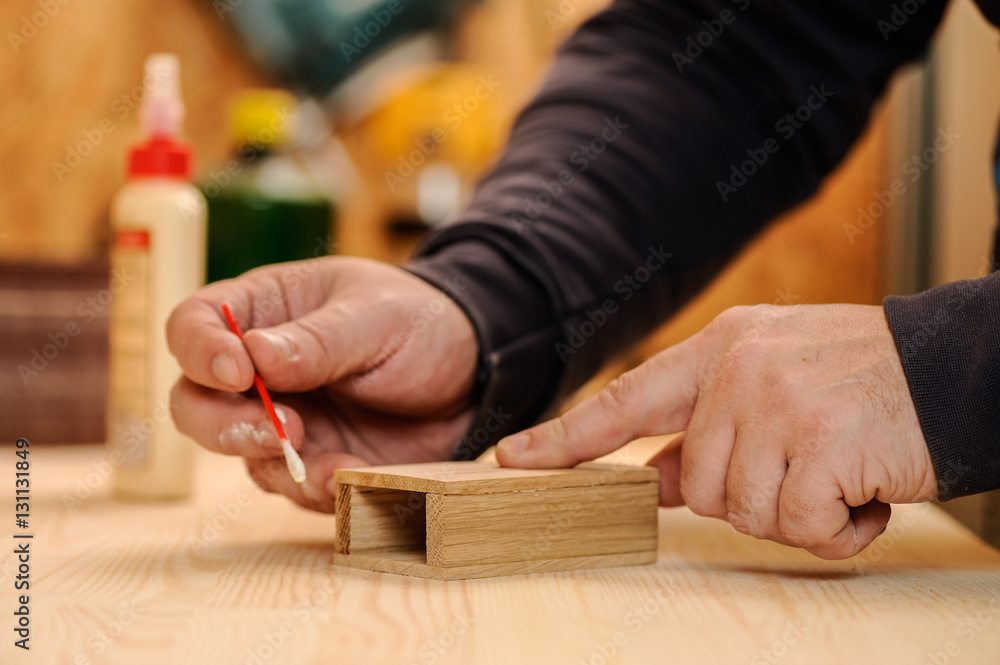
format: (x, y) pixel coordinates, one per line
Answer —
(264, 207)
(251, 228)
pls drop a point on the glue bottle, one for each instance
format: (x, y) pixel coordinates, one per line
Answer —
(157, 259)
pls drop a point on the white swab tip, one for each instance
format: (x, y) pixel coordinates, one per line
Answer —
(295, 465)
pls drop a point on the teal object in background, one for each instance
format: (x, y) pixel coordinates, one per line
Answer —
(313, 45)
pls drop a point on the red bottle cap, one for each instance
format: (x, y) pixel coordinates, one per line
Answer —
(161, 156)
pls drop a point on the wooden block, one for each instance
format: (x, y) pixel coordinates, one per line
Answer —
(462, 520)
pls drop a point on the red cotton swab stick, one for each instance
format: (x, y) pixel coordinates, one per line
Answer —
(292, 459)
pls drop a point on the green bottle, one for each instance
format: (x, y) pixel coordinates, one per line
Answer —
(263, 206)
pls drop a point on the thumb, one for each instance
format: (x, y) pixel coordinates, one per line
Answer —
(320, 347)
(657, 397)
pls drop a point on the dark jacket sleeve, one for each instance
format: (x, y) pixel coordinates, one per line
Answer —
(667, 134)
(947, 342)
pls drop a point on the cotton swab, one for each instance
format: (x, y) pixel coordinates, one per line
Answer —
(295, 465)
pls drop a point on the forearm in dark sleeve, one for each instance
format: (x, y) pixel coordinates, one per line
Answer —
(948, 340)
(625, 185)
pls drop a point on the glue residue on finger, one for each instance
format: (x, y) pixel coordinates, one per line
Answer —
(239, 433)
(294, 462)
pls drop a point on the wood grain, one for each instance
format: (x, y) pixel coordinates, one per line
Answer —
(412, 563)
(263, 577)
(489, 477)
(466, 530)
(382, 520)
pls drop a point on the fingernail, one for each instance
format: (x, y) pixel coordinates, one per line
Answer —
(225, 369)
(281, 343)
(513, 446)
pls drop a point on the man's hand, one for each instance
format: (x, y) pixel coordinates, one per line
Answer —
(368, 364)
(799, 426)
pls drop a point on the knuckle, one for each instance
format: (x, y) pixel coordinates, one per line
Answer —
(794, 528)
(743, 520)
(739, 521)
(740, 361)
(732, 318)
(699, 502)
(618, 397)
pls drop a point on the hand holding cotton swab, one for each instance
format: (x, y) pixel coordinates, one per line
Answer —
(292, 459)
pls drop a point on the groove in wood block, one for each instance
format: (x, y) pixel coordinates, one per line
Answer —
(465, 530)
(382, 520)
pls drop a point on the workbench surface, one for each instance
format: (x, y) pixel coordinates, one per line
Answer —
(237, 576)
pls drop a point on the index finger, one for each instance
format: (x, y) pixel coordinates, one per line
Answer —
(197, 334)
(208, 352)
(657, 397)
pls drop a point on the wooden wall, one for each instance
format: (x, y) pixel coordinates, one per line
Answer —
(63, 88)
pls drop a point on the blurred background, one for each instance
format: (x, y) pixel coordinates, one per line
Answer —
(366, 123)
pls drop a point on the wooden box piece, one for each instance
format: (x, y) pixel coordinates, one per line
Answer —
(462, 520)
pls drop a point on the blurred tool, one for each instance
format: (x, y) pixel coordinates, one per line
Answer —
(313, 45)
(431, 140)
(157, 259)
(264, 205)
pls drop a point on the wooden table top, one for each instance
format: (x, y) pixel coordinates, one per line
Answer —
(237, 576)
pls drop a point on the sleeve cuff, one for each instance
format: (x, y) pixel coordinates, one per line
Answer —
(518, 375)
(948, 341)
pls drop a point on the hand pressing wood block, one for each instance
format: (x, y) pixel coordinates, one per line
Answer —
(463, 520)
